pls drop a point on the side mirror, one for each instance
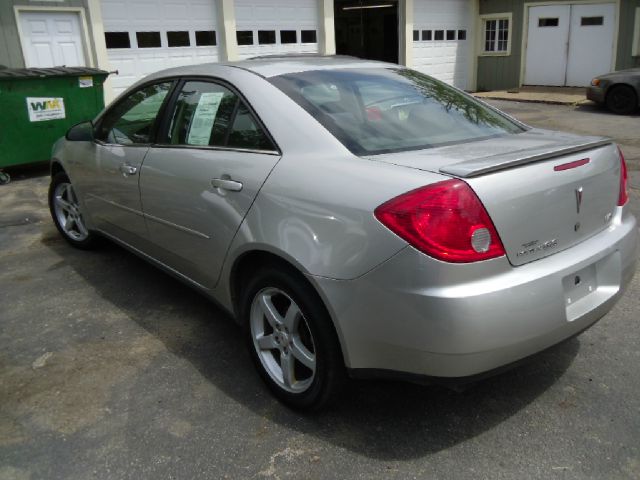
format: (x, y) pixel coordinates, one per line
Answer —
(81, 132)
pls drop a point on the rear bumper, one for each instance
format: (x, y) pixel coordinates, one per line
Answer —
(416, 315)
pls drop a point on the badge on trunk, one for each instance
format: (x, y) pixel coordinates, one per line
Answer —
(578, 198)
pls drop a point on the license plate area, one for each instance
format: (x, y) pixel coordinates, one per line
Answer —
(591, 286)
(580, 284)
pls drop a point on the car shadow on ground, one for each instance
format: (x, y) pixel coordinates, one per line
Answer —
(601, 109)
(382, 420)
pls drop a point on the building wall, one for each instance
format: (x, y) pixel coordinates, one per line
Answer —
(625, 37)
(10, 47)
(499, 73)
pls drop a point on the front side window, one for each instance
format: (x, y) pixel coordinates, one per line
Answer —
(496, 35)
(208, 114)
(131, 121)
(373, 111)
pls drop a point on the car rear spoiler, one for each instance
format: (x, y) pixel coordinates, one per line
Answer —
(482, 166)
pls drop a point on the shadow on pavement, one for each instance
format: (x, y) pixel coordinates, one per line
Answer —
(382, 420)
(26, 172)
(601, 109)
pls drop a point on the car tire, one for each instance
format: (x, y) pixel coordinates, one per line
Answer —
(622, 100)
(291, 339)
(66, 213)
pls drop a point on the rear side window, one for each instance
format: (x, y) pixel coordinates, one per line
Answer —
(131, 120)
(209, 114)
(373, 111)
(246, 133)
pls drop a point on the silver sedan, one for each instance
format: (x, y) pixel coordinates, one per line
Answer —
(357, 218)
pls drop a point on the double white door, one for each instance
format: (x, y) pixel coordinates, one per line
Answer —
(52, 39)
(568, 45)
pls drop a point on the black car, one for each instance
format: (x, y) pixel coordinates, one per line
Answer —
(619, 91)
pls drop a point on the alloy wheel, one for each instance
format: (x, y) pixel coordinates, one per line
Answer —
(67, 212)
(283, 340)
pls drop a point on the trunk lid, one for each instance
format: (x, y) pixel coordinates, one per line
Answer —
(538, 209)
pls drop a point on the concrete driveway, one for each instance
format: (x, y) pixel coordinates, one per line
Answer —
(110, 369)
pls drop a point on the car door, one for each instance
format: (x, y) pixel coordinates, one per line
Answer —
(122, 139)
(198, 182)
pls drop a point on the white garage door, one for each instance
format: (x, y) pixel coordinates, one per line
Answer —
(52, 39)
(442, 40)
(587, 29)
(276, 27)
(144, 36)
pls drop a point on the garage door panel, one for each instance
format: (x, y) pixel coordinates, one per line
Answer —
(446, 60)
(546, 56)
(160, 16)
(255, 15)
(561, 51)
(590, 43)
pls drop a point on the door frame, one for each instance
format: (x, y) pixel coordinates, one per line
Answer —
(525, 28)
(84, 34)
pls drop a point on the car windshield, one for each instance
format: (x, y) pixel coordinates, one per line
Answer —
(384, 110)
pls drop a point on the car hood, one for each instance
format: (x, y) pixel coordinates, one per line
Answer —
(484, 156)
(628, 71)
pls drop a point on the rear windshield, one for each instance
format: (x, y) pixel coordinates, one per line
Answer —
(374, 111)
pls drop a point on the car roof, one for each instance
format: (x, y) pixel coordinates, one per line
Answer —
(274, 65)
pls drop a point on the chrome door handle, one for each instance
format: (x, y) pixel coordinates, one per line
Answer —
(226, 184)
(127, 169)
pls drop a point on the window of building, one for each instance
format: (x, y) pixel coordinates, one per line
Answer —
(266, 37)
(205, 38)
(288, 36)
(416, 35)
(591, 21)
(438, 34)
(148, 39)
(451, 34)
(462, 34)
(117, 39)
(308, 36)
(427, 35)
(548, 22)
(244, 37)
(496, 30)
(178, 39)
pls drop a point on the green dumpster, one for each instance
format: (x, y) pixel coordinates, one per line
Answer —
(38, 105)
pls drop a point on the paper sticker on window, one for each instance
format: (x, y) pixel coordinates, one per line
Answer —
(203, 118)
(85, 82)
(41, 109)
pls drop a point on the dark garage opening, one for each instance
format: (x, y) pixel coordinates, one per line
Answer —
(367, 29)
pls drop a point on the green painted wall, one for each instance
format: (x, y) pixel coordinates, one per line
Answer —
(499, 73)
(625, 37)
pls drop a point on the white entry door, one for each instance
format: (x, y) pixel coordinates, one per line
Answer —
(52, 39)
(590, 43)
(568, 45)
(546, 60)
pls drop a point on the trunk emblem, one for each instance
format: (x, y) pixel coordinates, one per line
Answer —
(578, 198)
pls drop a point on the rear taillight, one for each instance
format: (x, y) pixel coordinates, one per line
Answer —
(623, 196)
(445, 220)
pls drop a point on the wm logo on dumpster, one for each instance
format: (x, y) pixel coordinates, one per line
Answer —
(47, 105)
(48, 108)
